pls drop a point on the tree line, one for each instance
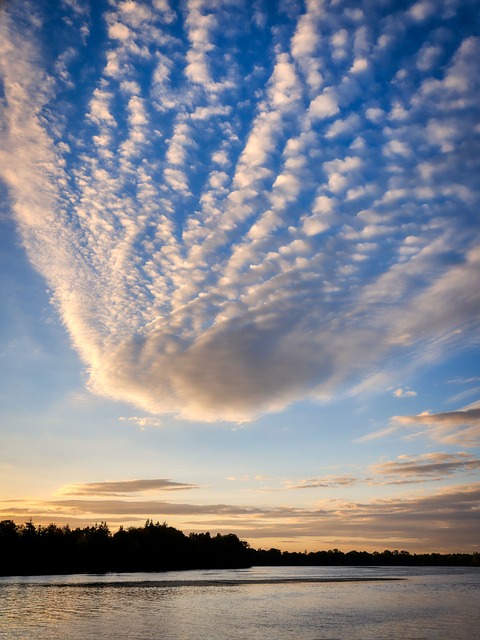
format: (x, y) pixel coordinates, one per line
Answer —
(26, 549)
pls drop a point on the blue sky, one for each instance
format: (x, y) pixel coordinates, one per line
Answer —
(240, 268)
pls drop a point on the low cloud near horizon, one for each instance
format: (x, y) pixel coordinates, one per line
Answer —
(224, 233)
(419, 522)
(116, 487)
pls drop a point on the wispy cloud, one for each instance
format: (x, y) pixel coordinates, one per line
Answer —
(450, 427)
(405, 469)
(443, 521)
(224, 233)
(329, 481)
(124, 486)
(427, 464)
(142, 421)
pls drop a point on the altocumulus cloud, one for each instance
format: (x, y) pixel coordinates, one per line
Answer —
(234, 218)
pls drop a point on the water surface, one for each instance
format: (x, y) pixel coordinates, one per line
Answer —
(261, 603)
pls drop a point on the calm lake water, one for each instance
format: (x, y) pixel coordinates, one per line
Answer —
(249, 604)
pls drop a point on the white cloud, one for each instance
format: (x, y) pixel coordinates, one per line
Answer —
(315, 224)
(324, 106)
(167, 14)
(135, 13)
(442, 134)
(304, 44)
(458, 87)
(359, 65)
(375, 114)
(421, 10)
(100, 107)
(428, 56)
(339, 41)
(119, 31)
(305, 38)
(396, 147)
(284, 88)
(217, 257)
(404, 393)
(343, 127)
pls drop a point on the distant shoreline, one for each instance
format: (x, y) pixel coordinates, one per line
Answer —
(26, 549)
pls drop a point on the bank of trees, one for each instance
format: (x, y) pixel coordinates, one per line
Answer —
(29, 549)
(334, 557)
(26, 549)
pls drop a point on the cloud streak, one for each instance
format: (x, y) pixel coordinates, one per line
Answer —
(406, 469)
(427, 464)
(124, 486)
(451, 427)
(444, 521)
(225, 234)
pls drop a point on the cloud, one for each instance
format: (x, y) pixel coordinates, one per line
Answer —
(406, 469)
(143, 421)
(450, 427)
(305, 42)
(421, 10)
(231, 224)
(141, 507)
(361, 64)
(119, 31)
(428, 56)
(124, 486)
(444, 521)
(427, 464)
(449, 418)
(404, 393)
(324, 105)
(465, 380)
(324, 482)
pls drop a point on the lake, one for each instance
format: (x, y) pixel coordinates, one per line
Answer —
(260, 603)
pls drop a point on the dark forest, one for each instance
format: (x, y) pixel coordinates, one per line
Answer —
(26, 549)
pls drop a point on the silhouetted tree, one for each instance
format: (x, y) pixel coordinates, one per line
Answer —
(27, 549)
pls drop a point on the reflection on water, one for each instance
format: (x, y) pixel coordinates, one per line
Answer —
(428, 604)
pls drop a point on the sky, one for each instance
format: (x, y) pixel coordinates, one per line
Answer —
(240, 260)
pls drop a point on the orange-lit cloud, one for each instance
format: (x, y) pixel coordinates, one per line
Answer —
(447, 520)
(124, 486)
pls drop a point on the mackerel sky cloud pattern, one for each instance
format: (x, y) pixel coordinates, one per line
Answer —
(239, 205)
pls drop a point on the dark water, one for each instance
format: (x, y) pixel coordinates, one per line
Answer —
(428, 603)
